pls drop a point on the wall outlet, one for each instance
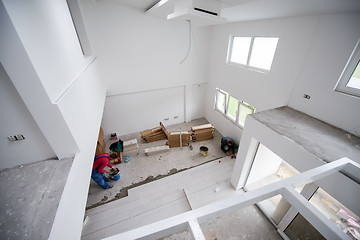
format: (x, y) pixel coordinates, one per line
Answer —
(306, 96)
(165, 119)
(20, 137)
(16, 137)
(12, 138)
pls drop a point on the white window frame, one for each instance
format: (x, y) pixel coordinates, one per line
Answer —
(247, 65)
(75, 12)
(245, 104)
(220, 92)
(347, 73)
(226, 107)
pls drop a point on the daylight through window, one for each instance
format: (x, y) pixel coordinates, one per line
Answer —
(349, 81)
(232, 108)
(252, 52)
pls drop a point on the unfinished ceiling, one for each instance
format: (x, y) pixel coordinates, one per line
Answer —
(240, 10)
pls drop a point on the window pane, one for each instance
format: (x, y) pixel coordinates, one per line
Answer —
(245, 109)
(240, 50)
(220, 101)
(336, 212)
(232, 108)
(300, 228)
(263, 51)
(354, 81)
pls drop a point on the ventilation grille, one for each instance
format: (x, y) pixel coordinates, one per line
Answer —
(205, 11)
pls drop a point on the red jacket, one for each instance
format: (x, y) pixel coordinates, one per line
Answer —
(101, 161)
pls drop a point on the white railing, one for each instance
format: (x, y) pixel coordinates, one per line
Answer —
(191, 219)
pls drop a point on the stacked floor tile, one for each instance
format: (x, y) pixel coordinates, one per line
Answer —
(202, 132)
(154, 134)
(178, 139)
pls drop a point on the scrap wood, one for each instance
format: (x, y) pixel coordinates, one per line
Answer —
(179, 138)
(154, 134)
(164, 130)
(201, 139)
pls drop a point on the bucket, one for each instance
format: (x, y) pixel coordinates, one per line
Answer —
(204, 151)
(116, 177)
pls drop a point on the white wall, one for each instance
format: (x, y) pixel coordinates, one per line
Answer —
(145, 109)
(16, 119)
(328, 52)
(65, 95)
(140, 53)
(48, 35)
(264, 91)
(16, 62)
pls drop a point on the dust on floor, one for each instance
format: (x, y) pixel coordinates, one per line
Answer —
(30, 196)
(142, 169)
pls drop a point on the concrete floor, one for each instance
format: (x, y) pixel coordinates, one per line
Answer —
(246, 224)
(30, 195)
(142, 169)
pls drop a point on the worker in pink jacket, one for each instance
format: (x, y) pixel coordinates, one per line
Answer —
(100, 162)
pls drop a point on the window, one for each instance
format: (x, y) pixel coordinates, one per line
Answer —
(75, 13)
(252, 52)
(232, 108)
(220, 101)
(349, 81)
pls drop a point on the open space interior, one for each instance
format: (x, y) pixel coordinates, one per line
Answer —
(226, 119)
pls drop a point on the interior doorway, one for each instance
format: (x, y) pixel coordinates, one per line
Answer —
(267, 168)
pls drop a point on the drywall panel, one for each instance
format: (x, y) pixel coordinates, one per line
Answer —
(330, 49)
(138, 52)
(20, 70)
(130, 113)
(16, 119)
(82, 107)
(262, 90)
(47, 32)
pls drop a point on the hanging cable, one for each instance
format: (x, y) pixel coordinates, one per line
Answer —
(187, 54)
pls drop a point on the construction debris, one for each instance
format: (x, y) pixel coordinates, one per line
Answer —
(179, 139)
(202, 132)
(154, 150)
(154, 134)
(131, 147)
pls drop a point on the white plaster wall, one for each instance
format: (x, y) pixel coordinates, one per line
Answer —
(16, 119)
(262, 90)
(143, 110)
(67, 106)
(48, 35)
(197, 94)
(140, 53)
(20, 70)
(330, 48)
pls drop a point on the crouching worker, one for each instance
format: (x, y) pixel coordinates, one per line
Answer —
(228, 146)
(100, 162)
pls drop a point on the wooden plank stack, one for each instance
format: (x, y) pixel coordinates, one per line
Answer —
(174, 138)
(131, 147)
(154, 134)
(202, 132)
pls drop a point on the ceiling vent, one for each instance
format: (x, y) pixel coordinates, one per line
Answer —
(199, 12)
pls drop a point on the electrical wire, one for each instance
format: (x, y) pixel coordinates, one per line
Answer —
(188, 51)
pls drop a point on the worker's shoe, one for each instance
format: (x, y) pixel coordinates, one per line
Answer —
(110, 186)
